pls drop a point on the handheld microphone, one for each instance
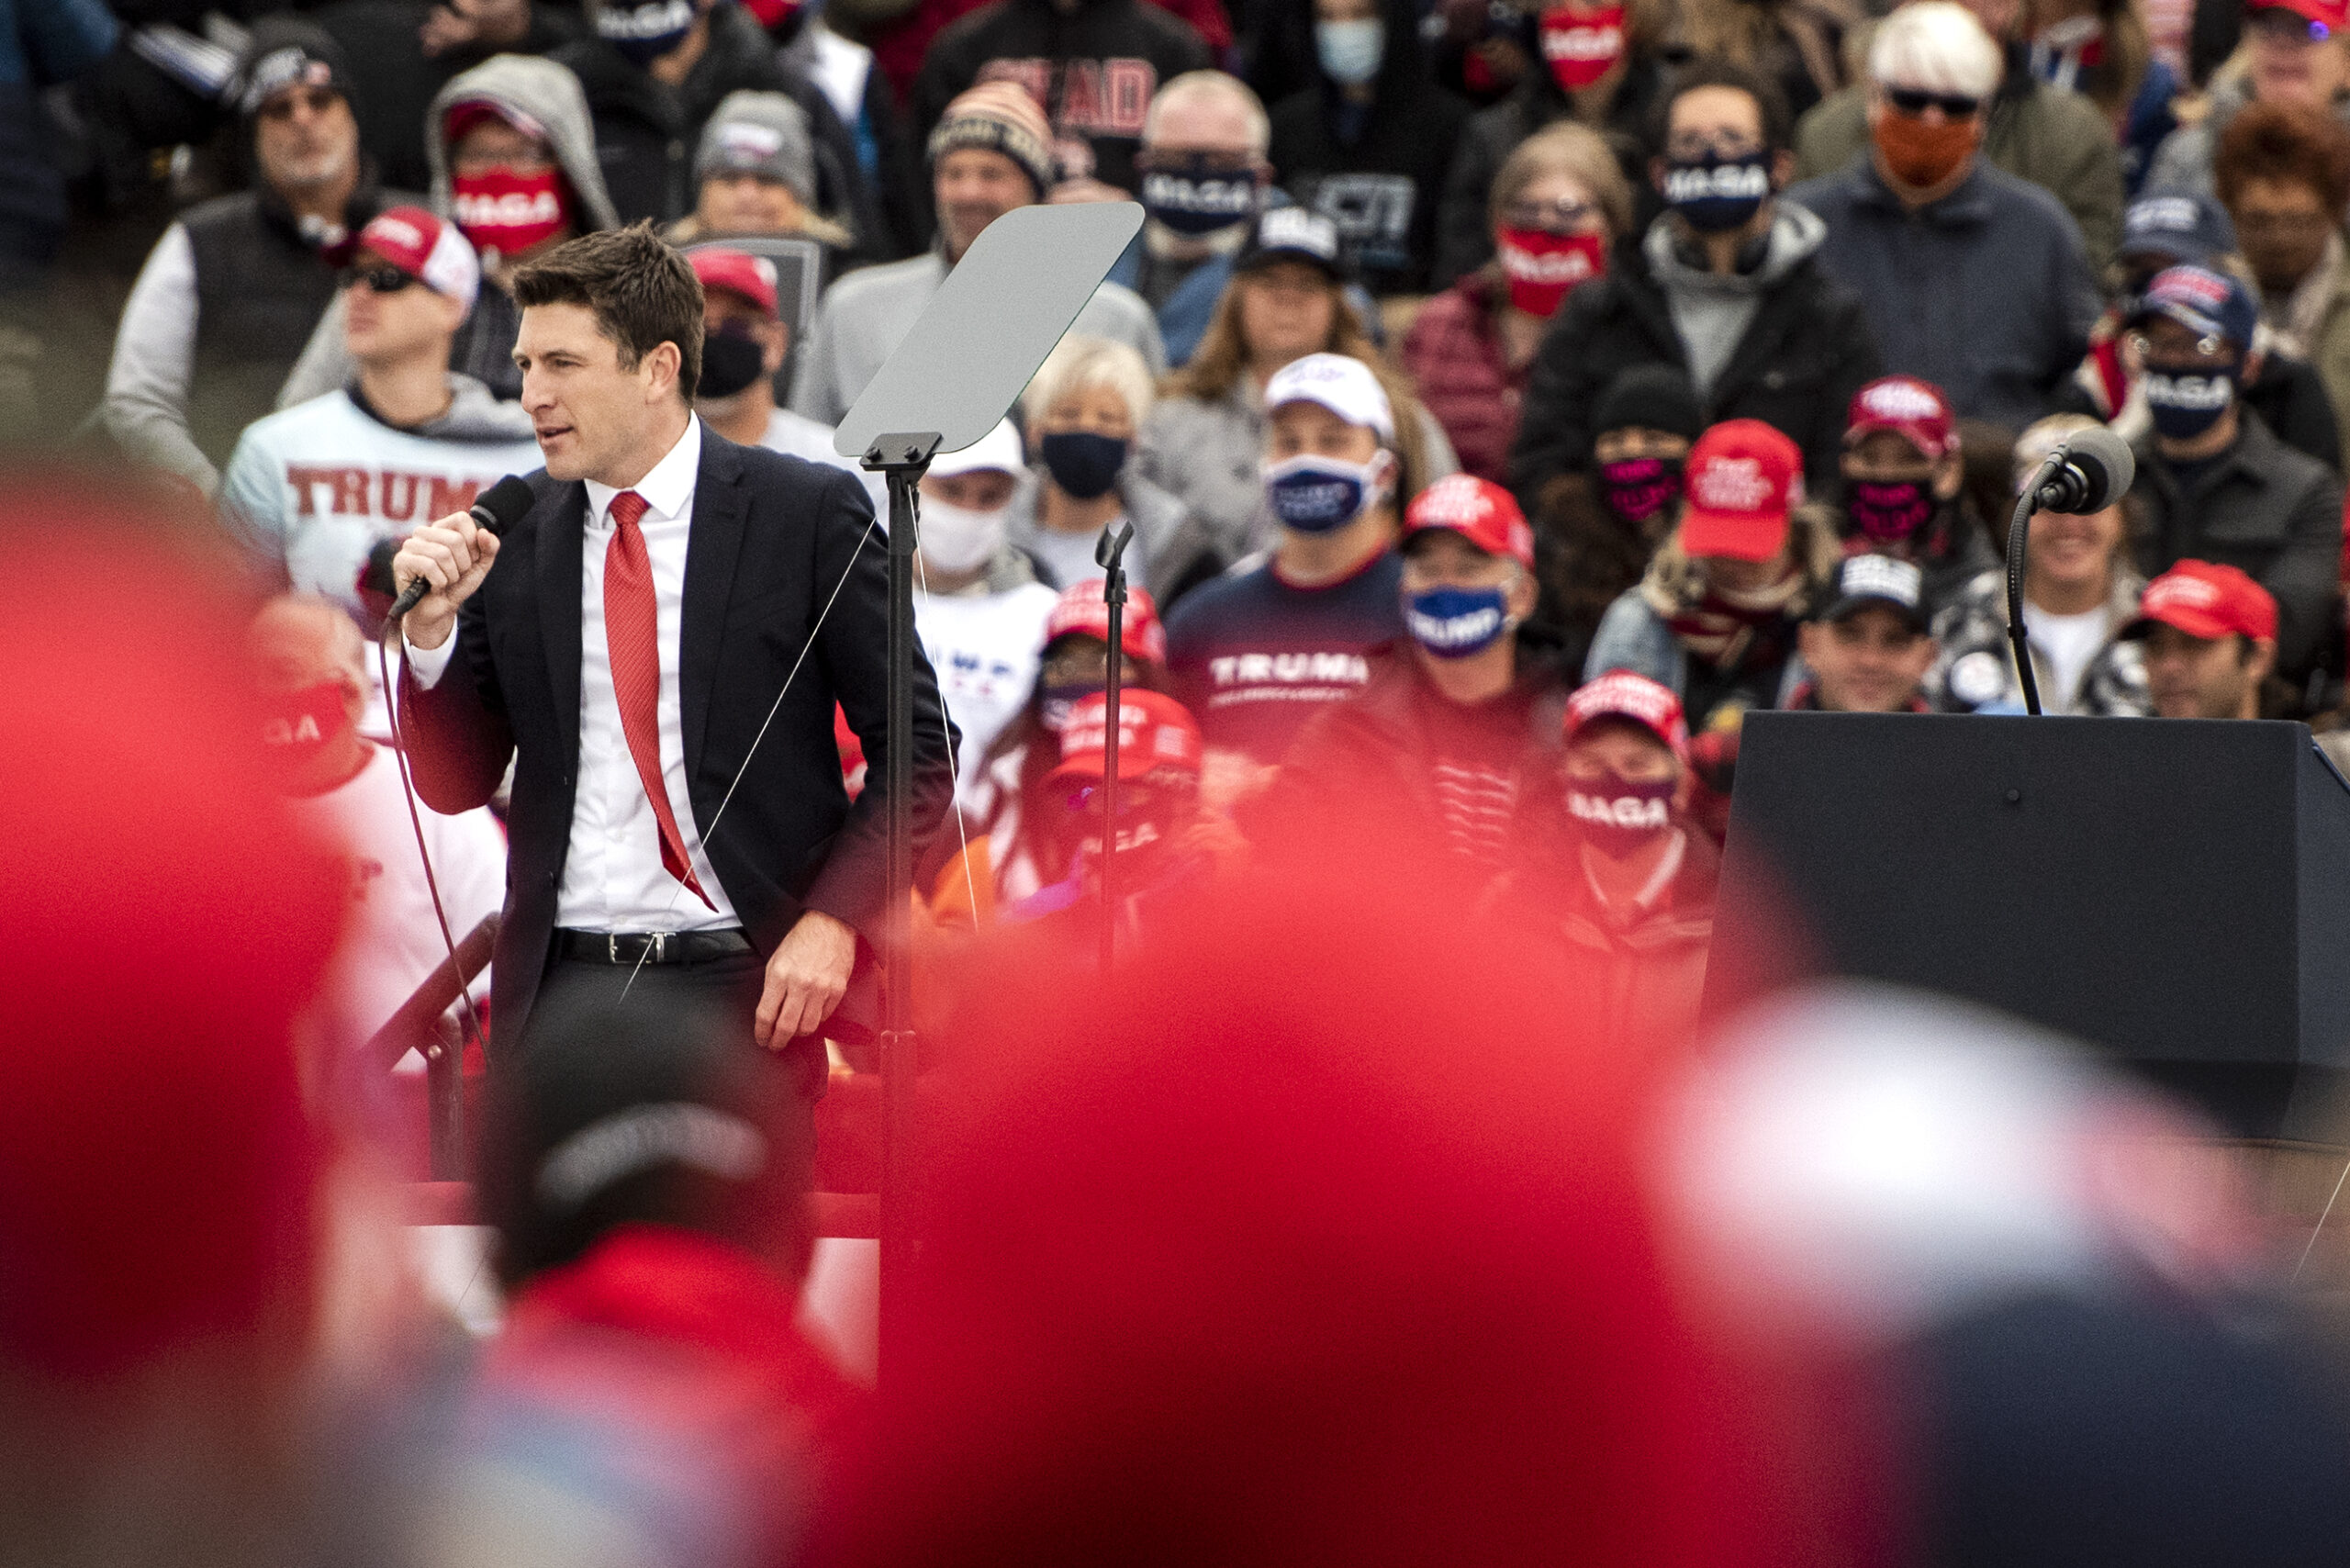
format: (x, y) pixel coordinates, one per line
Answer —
(500, 508)
(2091, 471)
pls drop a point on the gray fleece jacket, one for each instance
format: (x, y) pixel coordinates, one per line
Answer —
(1711, 312)
(545, 92)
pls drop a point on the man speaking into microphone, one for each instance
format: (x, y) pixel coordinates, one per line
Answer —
(623, 645)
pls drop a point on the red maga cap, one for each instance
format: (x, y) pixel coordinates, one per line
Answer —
(738, 272)
(1620, 694)
(1154, 732)
(1742, 477)
(428, 248)
(1907, 406)
(2330, 15)
(2205, 601)
(1479, 510)
(1080, 613)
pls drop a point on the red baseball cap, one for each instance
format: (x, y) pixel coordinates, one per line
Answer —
(1080, 613)
(1741, 479)
(1620, 694)
(1479, 510)
(738, 272)
(2327, 13)
(2205, 601)
(1154, 732)
(426, 248)
(1908, 407)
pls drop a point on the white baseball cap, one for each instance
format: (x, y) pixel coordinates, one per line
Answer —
(1343, 385)
(999, 449)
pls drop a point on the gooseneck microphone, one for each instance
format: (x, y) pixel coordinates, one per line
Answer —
(2093, 470)
(500, 508)
(2089, 472)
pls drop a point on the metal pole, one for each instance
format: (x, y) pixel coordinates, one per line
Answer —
(1111, 554)
(904, 458)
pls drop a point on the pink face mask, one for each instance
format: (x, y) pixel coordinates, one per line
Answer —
(1541, 267)
(1581, 50)
(507, 212)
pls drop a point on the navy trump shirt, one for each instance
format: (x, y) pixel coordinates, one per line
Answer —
(1254, 657)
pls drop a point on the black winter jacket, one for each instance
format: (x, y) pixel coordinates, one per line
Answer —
(1804, 353)
(646, 132)
(2265, 508)
(1377, 169)
(1094, 68)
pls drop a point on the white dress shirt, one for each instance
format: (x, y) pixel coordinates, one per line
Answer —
(612, 876)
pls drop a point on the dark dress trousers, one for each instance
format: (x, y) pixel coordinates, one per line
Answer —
(770, 538)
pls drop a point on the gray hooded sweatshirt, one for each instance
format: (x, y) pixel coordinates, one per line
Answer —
(1710, 312)
(546, 92)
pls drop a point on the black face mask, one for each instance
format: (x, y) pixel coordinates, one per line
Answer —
(731, 361)
(1716, 194)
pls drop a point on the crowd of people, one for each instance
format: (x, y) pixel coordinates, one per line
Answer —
(1505, 399)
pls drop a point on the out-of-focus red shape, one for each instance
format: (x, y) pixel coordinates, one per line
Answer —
(160, 926)
(1314, 1237)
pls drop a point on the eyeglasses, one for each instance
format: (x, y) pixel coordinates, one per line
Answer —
(1913, 103)
(1561, 217)
(379, 280)
(2210, 350)
(1691, 145)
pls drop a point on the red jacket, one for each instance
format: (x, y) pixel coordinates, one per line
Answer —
(1454, 354)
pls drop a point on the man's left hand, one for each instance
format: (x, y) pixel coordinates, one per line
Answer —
(806, 979)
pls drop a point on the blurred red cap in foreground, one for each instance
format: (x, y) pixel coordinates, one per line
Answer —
(161, 928)
(1316, 1238)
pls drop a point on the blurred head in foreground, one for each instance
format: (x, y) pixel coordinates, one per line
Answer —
(159, 1216)
(2061, 1268)
(651, 1399)
(1312, 1238)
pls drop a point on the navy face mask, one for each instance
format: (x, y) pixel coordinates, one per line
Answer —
(1715, 194)
(1455, 622)
(645, 32)
(1317, 494)
(2184, 403)
(1081, 463)
(1194, 196)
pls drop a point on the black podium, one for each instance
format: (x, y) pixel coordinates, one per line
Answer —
(2177, 892)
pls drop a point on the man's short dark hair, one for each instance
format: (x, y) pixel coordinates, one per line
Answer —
(643, 294)
(1714, 71)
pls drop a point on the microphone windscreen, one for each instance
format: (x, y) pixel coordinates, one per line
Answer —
(505, 502)
(2105, 461)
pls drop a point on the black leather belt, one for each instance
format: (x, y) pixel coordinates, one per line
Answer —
(651, 947)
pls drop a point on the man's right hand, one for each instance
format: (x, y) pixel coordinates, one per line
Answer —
(453, 554)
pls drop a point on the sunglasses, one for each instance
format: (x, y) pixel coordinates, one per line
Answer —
(381, 280)
(1913, 103)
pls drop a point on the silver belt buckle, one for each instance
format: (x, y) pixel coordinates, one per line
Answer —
(660, 947)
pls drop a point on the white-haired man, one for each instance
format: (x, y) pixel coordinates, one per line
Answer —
(1918, 227)
(1203, 172)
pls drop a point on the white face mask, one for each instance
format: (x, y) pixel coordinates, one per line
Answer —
(957, 539)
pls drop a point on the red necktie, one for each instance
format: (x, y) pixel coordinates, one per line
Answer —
(633, 642)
